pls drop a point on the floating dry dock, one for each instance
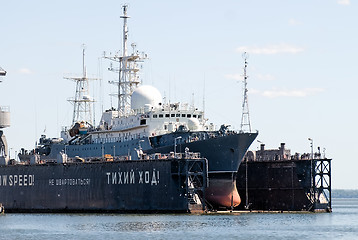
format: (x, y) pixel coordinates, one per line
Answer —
(273, 180)
(162, 184)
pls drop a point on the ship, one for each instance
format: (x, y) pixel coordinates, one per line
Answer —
(142, 124)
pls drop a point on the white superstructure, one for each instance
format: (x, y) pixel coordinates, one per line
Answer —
(149, 120)
(141, 111)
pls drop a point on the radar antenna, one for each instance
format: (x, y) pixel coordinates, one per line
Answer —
(245, 118)
(82, 103)
(128, 78)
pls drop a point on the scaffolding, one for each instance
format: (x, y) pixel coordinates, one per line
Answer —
(320, 193)
(193, 177)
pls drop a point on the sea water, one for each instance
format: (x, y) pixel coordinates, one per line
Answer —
(342, 223)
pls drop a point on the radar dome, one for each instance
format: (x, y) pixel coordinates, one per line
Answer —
(193, 124)
(145, 95)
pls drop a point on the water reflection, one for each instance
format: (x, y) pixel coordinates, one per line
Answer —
(341, 223)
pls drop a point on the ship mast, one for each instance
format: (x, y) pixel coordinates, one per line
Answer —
(245, 118)
(128, 78)
(4, 123)
(82, 103)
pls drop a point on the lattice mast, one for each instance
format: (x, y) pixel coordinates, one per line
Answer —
(82, 103)
(128, 78)
(245, 118)
(4, 123)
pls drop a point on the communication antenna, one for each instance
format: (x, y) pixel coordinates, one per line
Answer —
(82, 103)
(245, 118)
(204, 97)
(128, 78)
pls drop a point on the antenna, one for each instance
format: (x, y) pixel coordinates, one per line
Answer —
(82, 103)
(204, 96)
(245, 119)
(125, 29)
(127, 71)
(192, 101)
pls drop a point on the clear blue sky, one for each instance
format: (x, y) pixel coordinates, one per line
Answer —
(302, 65)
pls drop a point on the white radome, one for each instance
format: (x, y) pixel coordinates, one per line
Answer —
(145, 95)
(193, 124)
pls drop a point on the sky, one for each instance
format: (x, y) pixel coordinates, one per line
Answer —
(302, 66)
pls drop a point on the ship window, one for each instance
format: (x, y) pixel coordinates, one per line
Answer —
(160, 115)
(143, 121)
(166, 115)
(178, 115)
(183, 115)
(194, 116)
(172, 115)
(199, 116)
(155, 116)
(189, 115)
(165, 127)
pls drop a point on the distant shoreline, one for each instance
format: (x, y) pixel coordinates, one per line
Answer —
(344, 193)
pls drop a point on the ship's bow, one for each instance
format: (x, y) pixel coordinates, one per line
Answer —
(224, 158)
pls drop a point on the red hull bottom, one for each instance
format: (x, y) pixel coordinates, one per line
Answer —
(222, 192)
